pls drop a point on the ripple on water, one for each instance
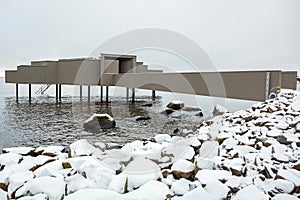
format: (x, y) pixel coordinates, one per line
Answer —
(46, 123)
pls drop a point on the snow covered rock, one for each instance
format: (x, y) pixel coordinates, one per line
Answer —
(204, 163)
(17, 180)
(98, 172)
(18, 150)
(296, 104)
(118, 183)
(78, 182)
(3, 195)
(209, 149)
(35, 197)
(99, 121)
(217, 189)
(181, 151)
(290, 175)
(219, 110)
(206, 176)
(284, 197)
(236, 182)
(196, 194)
(175, 105)
(8, 159)
(94, 194)
(52, 150)
(278, 186)
(181, 186)
(152, 190)
(82, 148)
(252, 192)
(54, 188)
(119, 154)
(139, 171)
(113, 163)
(182, 168)
(160, 138)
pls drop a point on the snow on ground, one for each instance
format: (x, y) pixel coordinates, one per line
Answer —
(249, 154)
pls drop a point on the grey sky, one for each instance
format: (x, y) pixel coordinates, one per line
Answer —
(236, 34)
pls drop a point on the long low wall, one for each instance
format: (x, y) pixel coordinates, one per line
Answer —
(250, 85)
(289, 80)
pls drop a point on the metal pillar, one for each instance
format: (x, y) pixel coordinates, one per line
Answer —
(29, 86)
(133, 95)
(107, 90)
(56, 92)
(89, 93)
(59, 92)
(17, 92)
(101, 94)
(153, 95)
(80, 92)
(127, 95)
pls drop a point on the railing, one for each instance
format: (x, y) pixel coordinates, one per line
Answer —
(43, 89)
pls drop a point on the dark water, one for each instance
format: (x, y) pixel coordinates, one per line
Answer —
(43, 122)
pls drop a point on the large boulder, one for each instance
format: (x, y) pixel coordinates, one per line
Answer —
(99, 121)
(175, 105)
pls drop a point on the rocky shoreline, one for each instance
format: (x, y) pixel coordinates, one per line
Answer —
(249, 154)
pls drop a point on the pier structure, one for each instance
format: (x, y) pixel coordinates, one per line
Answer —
(126, 71)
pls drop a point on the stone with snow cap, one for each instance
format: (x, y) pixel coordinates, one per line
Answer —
(54, 188)
(181, 186)
(152, 190)
(219, 110)
(18, 150)
(139, 171)
(183, 168)
(252, 192)
(8, 159)
(217, 189)
(284, 197)
(206, 176)
(99, 121)
(82, 148)
(175, 105)
(17, 180)
(94, 194)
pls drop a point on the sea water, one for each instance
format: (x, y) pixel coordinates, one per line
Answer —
(45, 122)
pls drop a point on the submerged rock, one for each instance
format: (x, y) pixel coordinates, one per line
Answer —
(142, 118)
(175, 105)
(199, 114)
(99, 121)
(147, 105)
(167, 112)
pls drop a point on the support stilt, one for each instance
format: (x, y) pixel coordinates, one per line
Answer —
(153, 95)
(56, 92)
(29, 93)
(107, 90)
(101, 94)
(89, 93)
(80, 92)
(133, 95)
(59, 93)
(127, 95)
(17, 92)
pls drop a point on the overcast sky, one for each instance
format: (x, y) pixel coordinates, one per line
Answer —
(236, 34)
